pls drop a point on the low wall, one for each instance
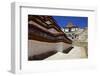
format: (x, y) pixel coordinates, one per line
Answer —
(37, 47)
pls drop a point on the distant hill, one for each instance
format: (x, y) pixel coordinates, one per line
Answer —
(83, 35)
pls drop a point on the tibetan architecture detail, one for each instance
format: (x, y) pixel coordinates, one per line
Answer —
(70, 28)
(45, 37)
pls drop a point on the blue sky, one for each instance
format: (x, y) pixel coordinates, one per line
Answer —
(62, 21)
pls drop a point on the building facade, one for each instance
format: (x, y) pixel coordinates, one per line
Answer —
(45, 37)
(71, 31)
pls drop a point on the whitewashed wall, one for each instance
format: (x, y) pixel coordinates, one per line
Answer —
(37, 47)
